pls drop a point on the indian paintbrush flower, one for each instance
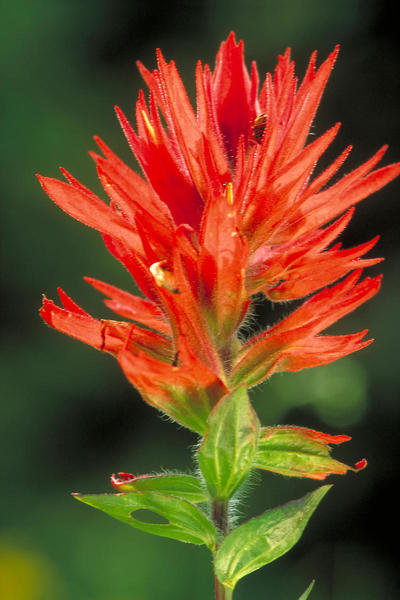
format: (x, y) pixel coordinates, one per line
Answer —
(229, 207)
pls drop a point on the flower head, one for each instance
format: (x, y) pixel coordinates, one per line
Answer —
(228, 207)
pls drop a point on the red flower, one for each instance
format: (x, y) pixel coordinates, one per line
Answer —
(228, 208)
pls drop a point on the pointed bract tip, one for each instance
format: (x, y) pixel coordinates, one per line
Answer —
(333, 55)
(161, 59)
(42, 179)
(102, 145)
(361, 464)
(66, 173)
(94, 156)
(340, 439)
(45, 311)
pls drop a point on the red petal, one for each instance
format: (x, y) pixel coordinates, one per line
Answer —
(132, 307)
(311, 273)
(84, 206)
(326, 205)
(185, 309)
(307, 100)
(292, 344)
(222, 259)
(330, 305)
(132, 183)
(108, 336)
(321, 351)
(231, 89)
(167, 178)
(135, 264)
(208, 122)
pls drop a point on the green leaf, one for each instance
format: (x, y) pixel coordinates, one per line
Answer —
(308, 591)
(265, 538)
(184, 486)
(227, 452)
(185, 522)
(298, 452)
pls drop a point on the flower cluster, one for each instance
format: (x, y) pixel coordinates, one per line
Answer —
(228, 207)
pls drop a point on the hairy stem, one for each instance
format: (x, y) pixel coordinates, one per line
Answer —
(220, 519)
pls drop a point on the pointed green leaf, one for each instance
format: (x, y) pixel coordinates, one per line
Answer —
(265, 538)
(185, 522)
(308, 591)
(299, 452)
(227, 452)
(184, 486)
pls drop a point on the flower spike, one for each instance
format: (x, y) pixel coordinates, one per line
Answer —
(228, 207)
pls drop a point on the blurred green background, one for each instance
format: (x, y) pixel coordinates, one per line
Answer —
(68, 416)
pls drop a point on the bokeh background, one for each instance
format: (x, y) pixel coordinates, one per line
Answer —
(68, 417)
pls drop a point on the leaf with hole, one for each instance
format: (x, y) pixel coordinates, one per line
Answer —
(226, 455)
(185, 521)
(265, 538)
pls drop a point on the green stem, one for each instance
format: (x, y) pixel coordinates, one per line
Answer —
(220, 519)
(222, 592)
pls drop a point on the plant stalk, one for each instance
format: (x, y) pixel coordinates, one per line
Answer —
(220, 519)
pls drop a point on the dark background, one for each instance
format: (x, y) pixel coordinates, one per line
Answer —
(68, 416)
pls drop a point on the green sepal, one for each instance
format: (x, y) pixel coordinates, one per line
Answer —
(186, 522)
(308, 591)
(299, 452)
(188, 487)
(265, 538)
(226, 455)
(185, 392)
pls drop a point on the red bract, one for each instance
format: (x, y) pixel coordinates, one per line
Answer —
(295, 343)
(228, 208)
(125, 480)
(300, 452)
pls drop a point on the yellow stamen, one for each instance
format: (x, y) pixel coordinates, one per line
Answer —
(164, 277)
(229, 193)
(149, 125)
